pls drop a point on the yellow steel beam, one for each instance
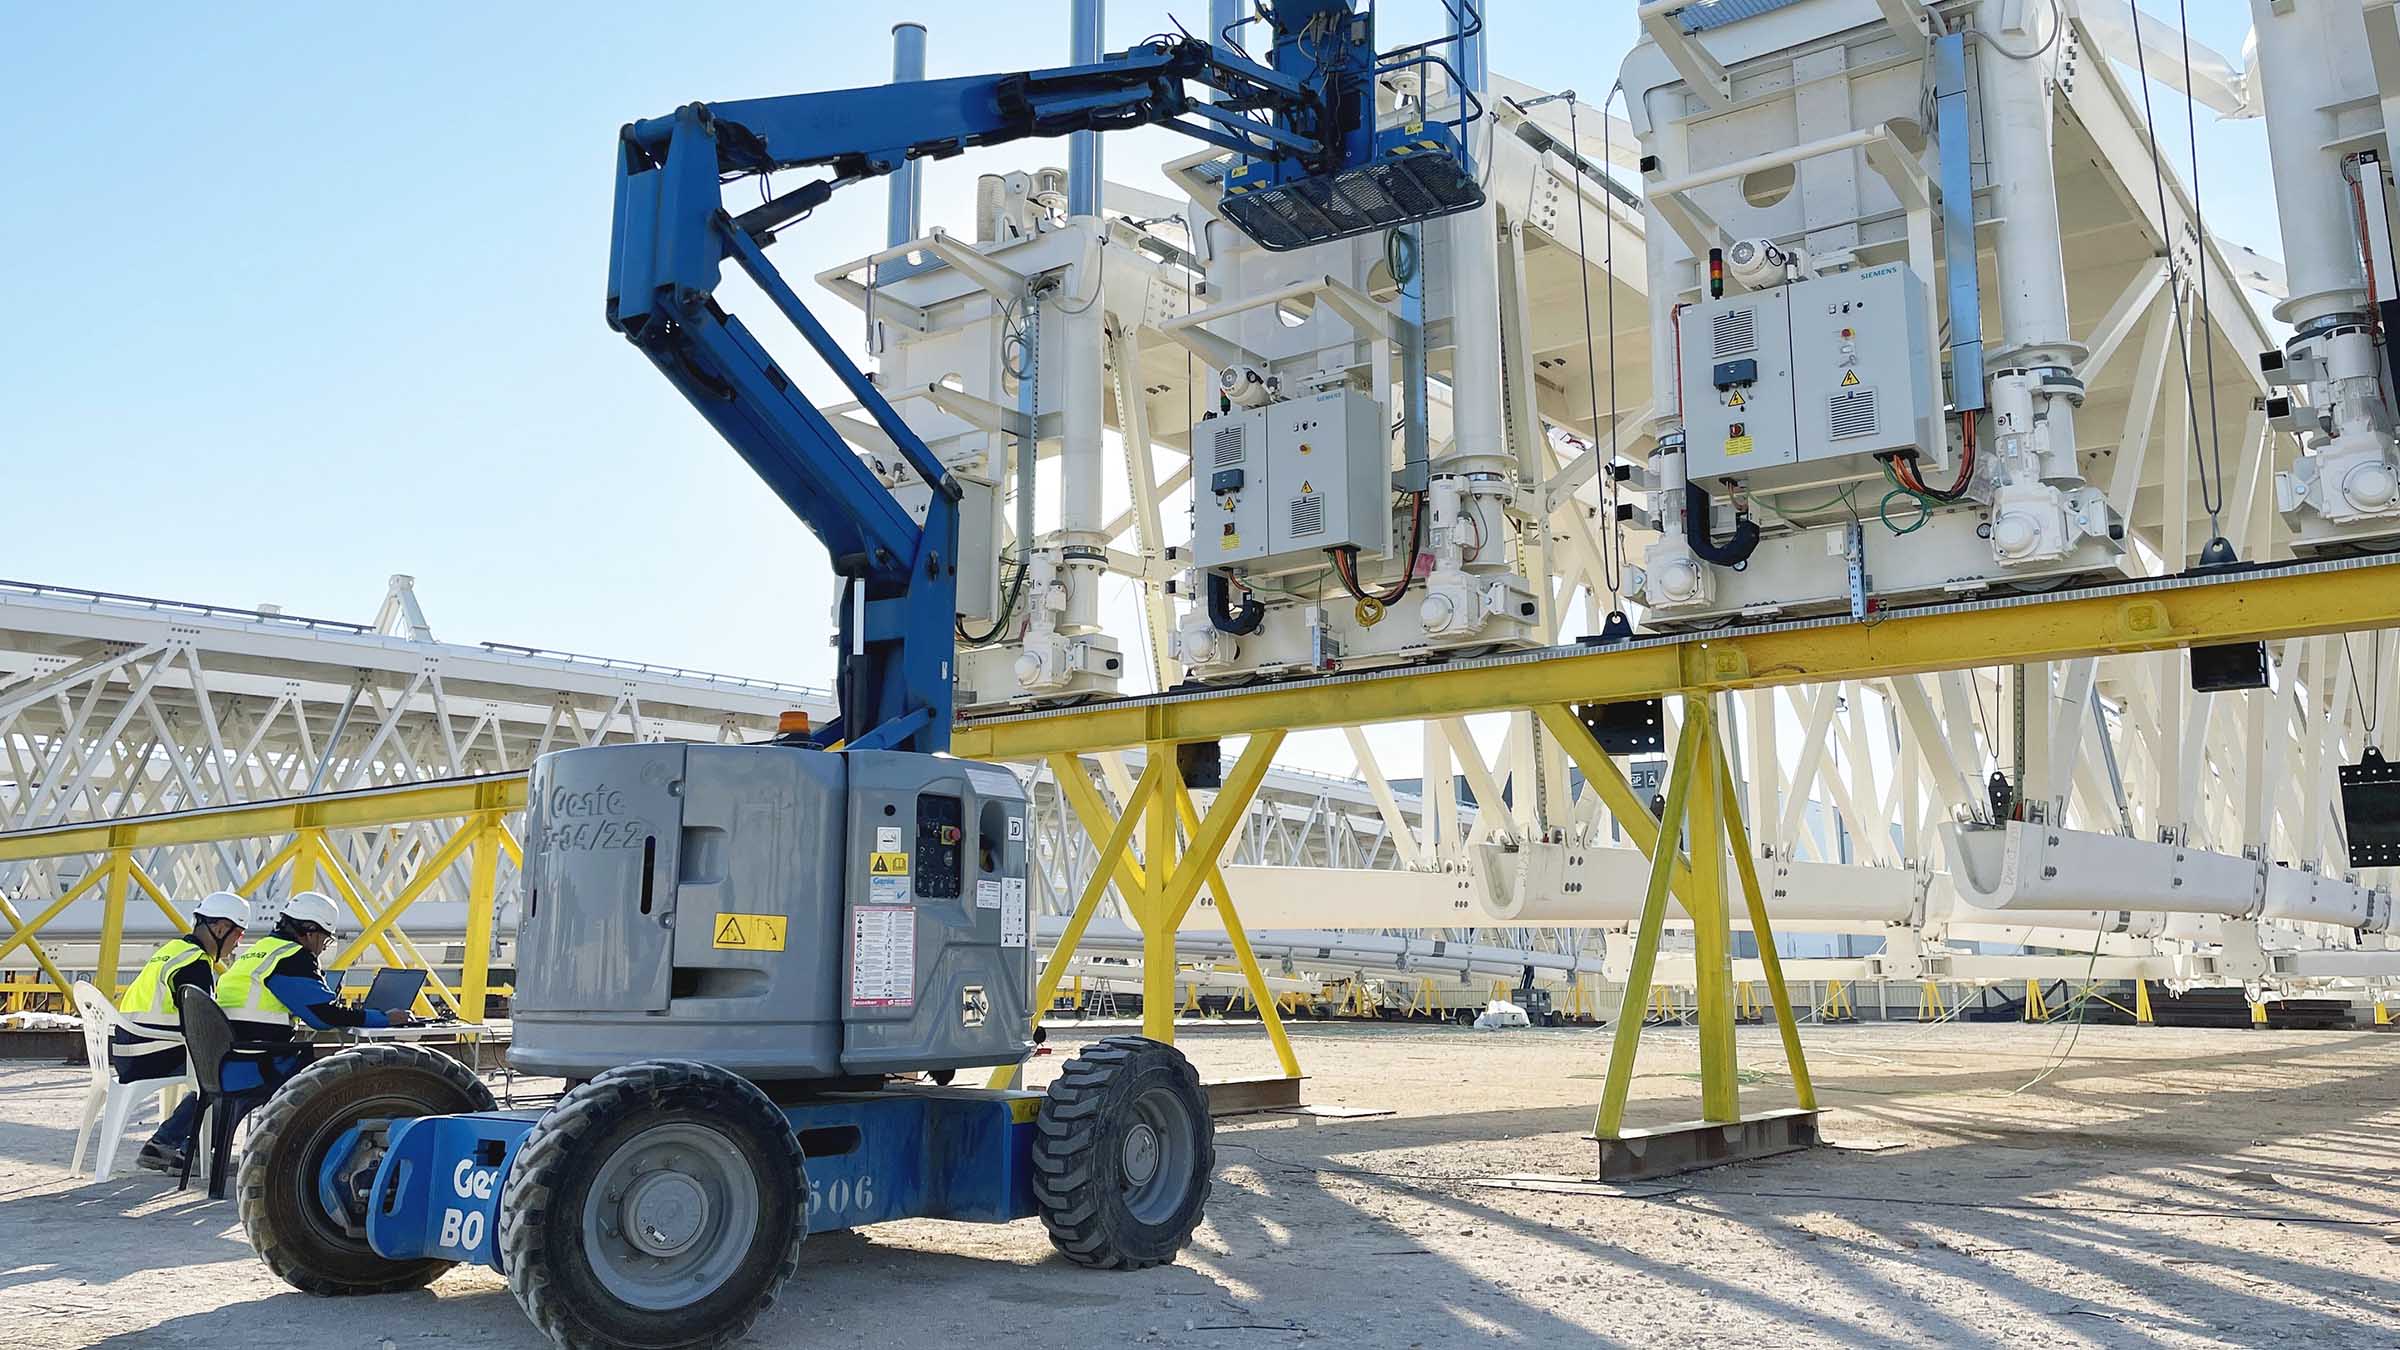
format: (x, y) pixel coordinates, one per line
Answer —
(112, 921)
(25, 931)
(1737, 838)
(1224, 816)
(338, 811)
(1712, 934)
(318, 852)
(2259, 606)
(16, 924)
(1261, 997)
(142, 878)
(1627, 1039)
(1155, 910)
(1115, 841)
(426, 875)
(483, 888)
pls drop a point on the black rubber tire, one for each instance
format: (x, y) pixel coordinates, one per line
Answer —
(289, 1136)
(541, 1209)
(1078, 1179)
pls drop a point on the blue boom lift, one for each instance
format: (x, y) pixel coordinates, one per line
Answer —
(732, 952)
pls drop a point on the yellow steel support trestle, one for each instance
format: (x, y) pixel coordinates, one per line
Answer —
(1179, 855)
(1703, 810)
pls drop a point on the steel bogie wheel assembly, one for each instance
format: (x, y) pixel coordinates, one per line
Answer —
(659, 1206)
(313, 1236)
(1122, 1152)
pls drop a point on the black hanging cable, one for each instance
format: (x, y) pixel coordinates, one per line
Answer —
(1991, 737)
(1591, 354)
(2183, 339)
(2369, 696)
(2208, 346)
(1614, 561)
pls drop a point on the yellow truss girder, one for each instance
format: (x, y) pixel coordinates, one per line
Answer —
(2296, 601)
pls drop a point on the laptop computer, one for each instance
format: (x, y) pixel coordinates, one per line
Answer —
(394, 990)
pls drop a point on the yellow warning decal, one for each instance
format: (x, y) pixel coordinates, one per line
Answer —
(1849, 377)
(1736, 400)
(1306, 487)
(887, 864)
(1737, 445)
(1023, 1110)
(1231, 540)
(750, 932)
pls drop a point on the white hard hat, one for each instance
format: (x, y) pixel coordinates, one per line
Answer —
(313, 907)
(223, 905)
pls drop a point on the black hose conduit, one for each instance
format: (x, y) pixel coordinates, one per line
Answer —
(1226, 619)
(1731, 553)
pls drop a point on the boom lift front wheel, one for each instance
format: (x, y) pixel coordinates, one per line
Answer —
(283, 1209)
(1122, 1151)
(659, 1206)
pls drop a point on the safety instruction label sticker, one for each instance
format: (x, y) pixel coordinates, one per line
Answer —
(883, 956)
(888, 890)
(1012, 915)
(887, 864)
(1737, 445)
(1849, 378)
(987, 894)
(1735, 400)
(887, 837)
(749, 932)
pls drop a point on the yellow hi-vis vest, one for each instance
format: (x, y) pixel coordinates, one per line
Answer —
(242, 990)
(150, 998)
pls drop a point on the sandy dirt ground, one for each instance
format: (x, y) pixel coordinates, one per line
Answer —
(2161, 1188)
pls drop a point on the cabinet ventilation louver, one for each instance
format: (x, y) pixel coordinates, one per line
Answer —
(1851, 413)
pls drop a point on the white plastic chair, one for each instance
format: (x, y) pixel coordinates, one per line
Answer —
(110, 1103)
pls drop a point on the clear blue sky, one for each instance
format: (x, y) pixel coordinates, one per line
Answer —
(305, 294)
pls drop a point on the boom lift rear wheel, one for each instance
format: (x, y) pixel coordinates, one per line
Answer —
(1122, 1151)
(288, 1221)
(659, 1206)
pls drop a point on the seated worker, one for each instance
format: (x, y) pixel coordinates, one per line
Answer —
(179, 963)
(275, 988)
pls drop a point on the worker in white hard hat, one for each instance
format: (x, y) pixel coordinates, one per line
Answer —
(187, 962)
(276, 988)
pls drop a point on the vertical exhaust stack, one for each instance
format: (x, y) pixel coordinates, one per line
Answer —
(1084, 192)
(903, 218)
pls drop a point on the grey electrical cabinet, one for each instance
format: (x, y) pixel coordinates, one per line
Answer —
(1809, 383)
(1229, 488)
(1280, 485)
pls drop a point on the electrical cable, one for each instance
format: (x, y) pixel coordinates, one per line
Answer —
(2183, 339)
(1883, 511)
(1613, 563)
(1008, 610)
(2058, 25)
(1975, 687)
(1610, 566)
(1345, 560)
(1906, 474)
(2208, 346)
(2082, 1002)
(1099, 282)
(2367, 697)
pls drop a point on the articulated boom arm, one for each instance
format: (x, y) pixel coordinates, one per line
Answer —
(673, 233)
